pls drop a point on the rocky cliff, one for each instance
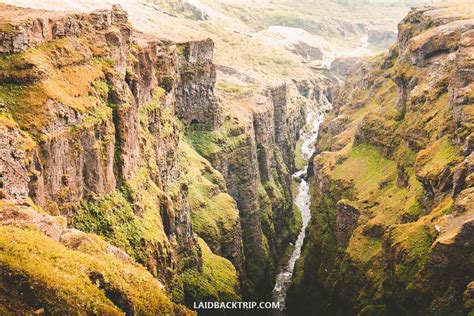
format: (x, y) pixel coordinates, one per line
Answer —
(254, 149)
(120, 160)
(95, 167)
(392, 191)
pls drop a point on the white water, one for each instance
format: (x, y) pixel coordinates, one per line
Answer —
(303, 201)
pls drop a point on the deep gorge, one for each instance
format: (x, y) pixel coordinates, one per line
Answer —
(132, 181)
(144, 143)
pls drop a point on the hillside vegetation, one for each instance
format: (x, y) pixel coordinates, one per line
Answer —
(392, 184)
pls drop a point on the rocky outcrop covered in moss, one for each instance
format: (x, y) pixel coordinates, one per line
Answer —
(120, 135)
(254, 149)
(90, 136)
(392, 212)
(49, 268)
(22, 29)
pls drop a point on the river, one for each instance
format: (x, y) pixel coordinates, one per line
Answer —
(303, 198)
(303, 201)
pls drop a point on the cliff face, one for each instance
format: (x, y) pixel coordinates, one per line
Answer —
(90, 136)
(114, 141)
(254, 150)
(196, 104)
(392, 225)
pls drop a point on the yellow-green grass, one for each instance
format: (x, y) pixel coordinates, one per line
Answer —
(413, 240)
(209, 143)
(374, 179)
(39, 272)
(434, 159)
(214, 213)
(216, 281)
(61, 71)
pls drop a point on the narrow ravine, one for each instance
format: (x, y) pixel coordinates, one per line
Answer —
(303, 201)
(303, 198)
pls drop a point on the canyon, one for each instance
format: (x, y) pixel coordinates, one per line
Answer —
(391, 231)
(113, 141)
(145, 167)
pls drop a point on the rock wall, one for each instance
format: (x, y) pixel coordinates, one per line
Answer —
(196, 105)
(91, 136)
(23, 30)
(390, 227)
(254, 151)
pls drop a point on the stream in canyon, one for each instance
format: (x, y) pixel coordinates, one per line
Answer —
(303, 198)
(303, 201)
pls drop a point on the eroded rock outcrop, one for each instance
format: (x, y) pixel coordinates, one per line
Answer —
(391, 231)
(22, 29)
(90, 135)
(196, 105)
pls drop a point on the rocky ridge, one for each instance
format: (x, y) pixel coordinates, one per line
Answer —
(391, 231)
(116, 140)
(90, 137)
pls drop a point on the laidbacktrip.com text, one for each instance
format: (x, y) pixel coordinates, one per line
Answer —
(236, 305)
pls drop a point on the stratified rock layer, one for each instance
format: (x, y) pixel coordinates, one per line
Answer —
(90, 135)
(391, 231)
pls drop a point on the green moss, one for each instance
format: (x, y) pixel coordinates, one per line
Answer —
(205, 143)
(364, 249)
(69, 81)
(129, 217)
(374, 179)
(373, 310)
(214, 213)
(133, 59)
(112, 217)
(414, 239)
(149, 136)
(96, 116)
(181, 48)
(217, 281)
(168, 124)
(265, 207)
(208, 143)
(433, 160)
(387, 94)
(366, 167)
(299, 160)
(293, 224)
(101, 88)
(38, 272)
(9, 93)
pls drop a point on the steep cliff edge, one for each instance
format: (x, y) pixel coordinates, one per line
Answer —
(254, 149)
(92, 146)
(392, 180)
(116, 141)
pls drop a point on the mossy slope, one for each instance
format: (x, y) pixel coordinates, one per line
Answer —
(391, 154)
(41, 274)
